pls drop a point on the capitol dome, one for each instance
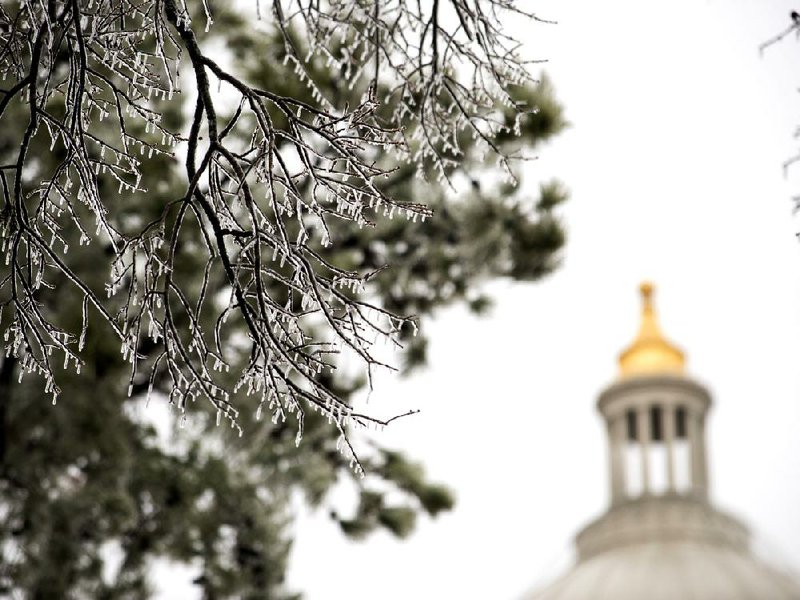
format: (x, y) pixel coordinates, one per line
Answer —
(661, 538)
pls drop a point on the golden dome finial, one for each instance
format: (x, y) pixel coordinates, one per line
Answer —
(646, 289)
(650, 353)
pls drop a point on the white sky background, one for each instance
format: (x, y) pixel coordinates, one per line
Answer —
(674, 161)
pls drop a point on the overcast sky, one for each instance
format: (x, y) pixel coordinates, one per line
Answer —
(674, 159)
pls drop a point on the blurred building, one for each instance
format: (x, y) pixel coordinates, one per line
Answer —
(661, 538)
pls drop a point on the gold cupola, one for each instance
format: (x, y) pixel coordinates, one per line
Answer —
(650, 353)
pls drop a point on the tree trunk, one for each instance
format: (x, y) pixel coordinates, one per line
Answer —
(6, 377)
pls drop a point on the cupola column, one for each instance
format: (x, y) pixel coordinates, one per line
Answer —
(698, 454)
(616, 436)
(669, 442)
(643, 427)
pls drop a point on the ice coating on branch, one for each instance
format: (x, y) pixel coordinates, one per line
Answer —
(258, 199)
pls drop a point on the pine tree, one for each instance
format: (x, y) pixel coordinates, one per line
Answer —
(88, 478)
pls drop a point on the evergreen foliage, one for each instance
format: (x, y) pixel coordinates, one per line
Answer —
(88, 485)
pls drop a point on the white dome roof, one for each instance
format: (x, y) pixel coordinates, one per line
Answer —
(668, 548)
(674, 570)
